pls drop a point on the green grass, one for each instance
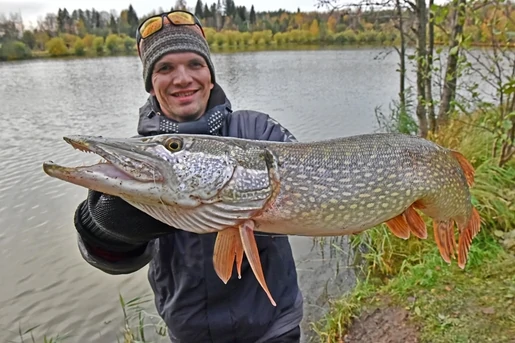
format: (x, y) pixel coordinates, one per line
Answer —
(447, 304)
(451, 305)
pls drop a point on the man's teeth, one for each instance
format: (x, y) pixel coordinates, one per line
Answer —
(183, 94)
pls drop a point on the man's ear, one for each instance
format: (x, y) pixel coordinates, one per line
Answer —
(212, 85)
(152, 92)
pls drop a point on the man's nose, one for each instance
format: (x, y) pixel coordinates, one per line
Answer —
(182, 76)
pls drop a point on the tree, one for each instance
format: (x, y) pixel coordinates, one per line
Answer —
(198, 9)
(206, 12)
(229, 8)
(252, 16)
(422, 71)
(132, 20)
(451, 73)
(29, 39)
(113, 26)
(331, 24)
(242, 13)
(56, 47)
(314, 29)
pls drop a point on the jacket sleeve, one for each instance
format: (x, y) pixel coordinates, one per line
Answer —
(99, 218)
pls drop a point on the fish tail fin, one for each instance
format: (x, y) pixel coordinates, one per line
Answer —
(466, 235)
(399, 227)
(466, 166)
(444, 237)
(415, 221)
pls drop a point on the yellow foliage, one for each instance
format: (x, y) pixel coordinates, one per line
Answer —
(314, 29)
(262, 37)
(210, 35)
(114, 43)
(331, 24)
(368, 26)
(56, 47)
(88, 40)
(299, 20)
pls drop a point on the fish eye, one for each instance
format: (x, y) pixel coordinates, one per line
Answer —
(174, 144)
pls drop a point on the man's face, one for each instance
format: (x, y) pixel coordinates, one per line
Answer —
(181, 82)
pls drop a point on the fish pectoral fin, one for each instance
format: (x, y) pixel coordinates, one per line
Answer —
(249, 245)
(466, 235)
(399, 227)
(444, 237)
(225, 252)
(415, 222)
(239, 255)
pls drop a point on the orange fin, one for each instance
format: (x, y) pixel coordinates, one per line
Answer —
(251, 250)
(399, 227)
(225, 252)
(466, 236)
(415, 222)
(468, 169)
(239, 256)
(444, 237)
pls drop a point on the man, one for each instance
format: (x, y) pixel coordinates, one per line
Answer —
(118, 238)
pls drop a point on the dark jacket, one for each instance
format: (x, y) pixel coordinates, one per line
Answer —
(195, 304)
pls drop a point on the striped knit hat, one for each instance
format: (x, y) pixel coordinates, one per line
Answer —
(172, 38)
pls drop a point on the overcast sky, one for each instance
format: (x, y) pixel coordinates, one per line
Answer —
(31, 10)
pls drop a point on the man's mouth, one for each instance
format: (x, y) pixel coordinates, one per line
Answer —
(183, 94)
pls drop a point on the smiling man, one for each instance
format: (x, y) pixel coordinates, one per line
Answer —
(119, 239)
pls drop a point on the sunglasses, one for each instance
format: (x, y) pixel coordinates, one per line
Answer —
(155, 23)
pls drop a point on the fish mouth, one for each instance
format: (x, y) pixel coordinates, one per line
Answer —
(120, 161)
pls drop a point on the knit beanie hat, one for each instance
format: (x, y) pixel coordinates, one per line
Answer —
(172, 38)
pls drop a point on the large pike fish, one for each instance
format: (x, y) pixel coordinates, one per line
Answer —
(335, 187)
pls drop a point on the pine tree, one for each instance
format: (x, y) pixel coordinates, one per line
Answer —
(206, 12)
(113, 25)
(198, 9)
(252, 15)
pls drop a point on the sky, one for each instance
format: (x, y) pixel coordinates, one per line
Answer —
(32, 9)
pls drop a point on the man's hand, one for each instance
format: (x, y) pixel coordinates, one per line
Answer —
(108, 222)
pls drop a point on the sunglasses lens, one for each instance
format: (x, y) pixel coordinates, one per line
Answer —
(181, 18)
(150, 26)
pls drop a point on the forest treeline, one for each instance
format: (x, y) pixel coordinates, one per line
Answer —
(80, 32)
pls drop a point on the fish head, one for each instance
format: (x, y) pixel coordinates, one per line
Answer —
(163, 169)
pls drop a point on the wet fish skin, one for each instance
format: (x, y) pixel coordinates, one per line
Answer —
(327, 188)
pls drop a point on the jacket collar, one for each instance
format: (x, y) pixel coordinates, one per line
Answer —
(152, 122)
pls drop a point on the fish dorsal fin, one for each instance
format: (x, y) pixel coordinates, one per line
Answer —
(205, 218)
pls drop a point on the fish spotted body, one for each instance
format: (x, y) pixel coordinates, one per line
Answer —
(333, 187)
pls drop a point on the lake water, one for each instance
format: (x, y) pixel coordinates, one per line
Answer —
(43, 279)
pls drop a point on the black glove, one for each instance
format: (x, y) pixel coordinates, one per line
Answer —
(108, 222)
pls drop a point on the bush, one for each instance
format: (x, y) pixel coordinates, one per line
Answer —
(129, 44)
(14, 50)
(113, 43)
(98, 45)
(79, 47)
(56, 47)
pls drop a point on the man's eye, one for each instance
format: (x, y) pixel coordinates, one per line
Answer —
(196, 64)
(164, 68)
